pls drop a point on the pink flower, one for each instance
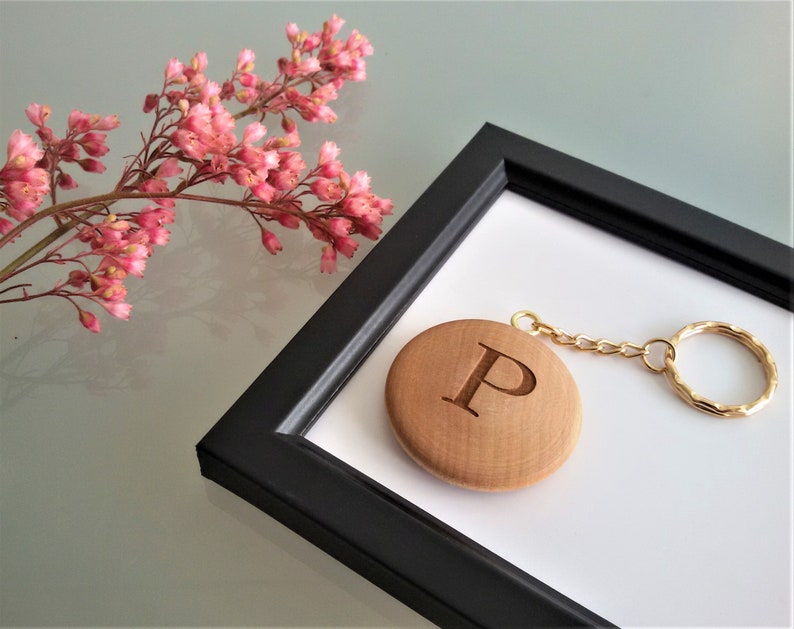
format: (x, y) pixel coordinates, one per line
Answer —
(285, 219)
(346, 246)
(299, 67)
(329, 151)
(253, 133)
(199, 62)
(205, 130)
(93, 143)
(168, 168)
(154, 217)
(340, 227)
(194, 127)
(108, 123)
(284, 180)
(330, 167)
(292, 161)
(25, 194)
(158, 186)
(38, 114)
(79, 121)
(331, 28)
(326, 189)
(120, 310)
(22, 152)
(358, 184)
(247, 96)
(328, 260)
(245, 60)
(263, 190)
(189, 143)
(114, 292)
(173, 70)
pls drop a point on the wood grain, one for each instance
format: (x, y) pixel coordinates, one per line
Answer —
(483, 405)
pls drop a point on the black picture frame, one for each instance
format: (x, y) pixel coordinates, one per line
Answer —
(258, 450)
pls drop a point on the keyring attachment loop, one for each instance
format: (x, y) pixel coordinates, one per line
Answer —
(670, 353)
(709, 406)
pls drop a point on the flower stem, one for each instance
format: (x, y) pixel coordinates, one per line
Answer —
(99, 201)
(35, 249)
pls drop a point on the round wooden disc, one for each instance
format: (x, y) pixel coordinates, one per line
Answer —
(483, 405)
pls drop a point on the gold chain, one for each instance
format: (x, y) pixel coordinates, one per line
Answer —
(632, 350)
(586, 343)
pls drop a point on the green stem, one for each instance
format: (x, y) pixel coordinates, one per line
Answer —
(100, 201)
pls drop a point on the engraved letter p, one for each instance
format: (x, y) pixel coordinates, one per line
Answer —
(478, 377)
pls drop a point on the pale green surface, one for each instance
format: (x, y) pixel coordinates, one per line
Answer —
(104, 518)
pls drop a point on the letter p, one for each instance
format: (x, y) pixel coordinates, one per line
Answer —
(479, 375)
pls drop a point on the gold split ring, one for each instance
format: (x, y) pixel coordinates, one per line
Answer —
(709, 406)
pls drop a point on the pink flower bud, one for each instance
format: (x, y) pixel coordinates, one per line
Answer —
(290, 221)
(89, 321)
(78, 278)
(91, 165)
(199, 62)
(249, 79)
(150, 102)
(292, 32)
(66, 181)
(271, 242)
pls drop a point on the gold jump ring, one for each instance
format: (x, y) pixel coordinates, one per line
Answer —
(708, 406)
(526, 314)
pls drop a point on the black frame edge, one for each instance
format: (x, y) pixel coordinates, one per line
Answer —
(257, 450)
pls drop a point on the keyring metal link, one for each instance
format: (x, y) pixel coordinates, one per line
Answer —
(709, 406)
(669, 353)
(526, 314)
(631, 350)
